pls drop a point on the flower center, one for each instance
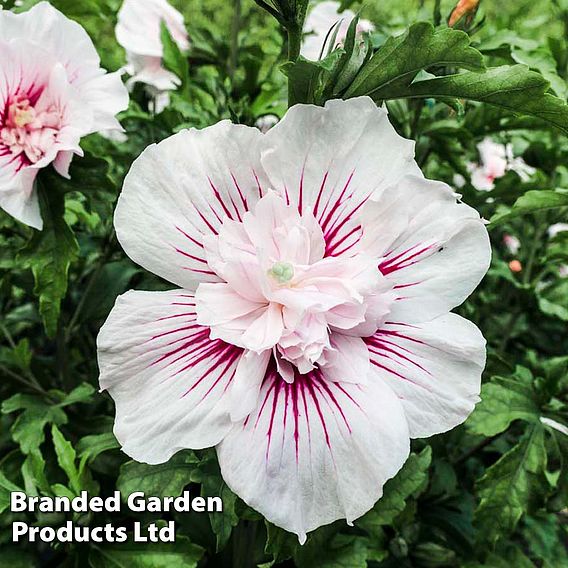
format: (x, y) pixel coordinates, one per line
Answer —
(258, 259)
(29, 131)
(282, 272)
(21, 113)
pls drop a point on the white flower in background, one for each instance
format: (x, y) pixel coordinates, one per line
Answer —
(495, 161)
(311, 336)
(512, 243)
(563, 270)
(52, 92)
(553, 230)
(266, 122)
(458, 181)
(321, 19)
(138, 31)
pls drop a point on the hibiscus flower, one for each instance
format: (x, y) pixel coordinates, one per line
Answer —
(138, 31)
(311, 336)
(496, 161)
(323, 23)
(52, 93)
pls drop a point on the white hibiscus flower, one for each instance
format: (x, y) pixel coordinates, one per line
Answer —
(311, 336)
(138, 31)
(52, 92)
(496, 161)
(323, 22)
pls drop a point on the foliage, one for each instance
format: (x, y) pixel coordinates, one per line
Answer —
(490, 493)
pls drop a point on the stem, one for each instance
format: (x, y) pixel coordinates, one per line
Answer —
(234, 49)
(30, 380)
(31, 385)
(475, 449)
(516, 314)
(294, 42)
(274, 13)
(107, 250)
(294, 47)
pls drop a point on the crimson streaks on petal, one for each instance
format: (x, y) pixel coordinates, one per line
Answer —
(313, 338)
(52, 93)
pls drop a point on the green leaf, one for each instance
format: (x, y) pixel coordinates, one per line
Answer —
(173, 59)
(532, 202)
(279, 543)
(307, 80)
(553, 299)
(503, 400)
(15, 556)
(49, 254)
(408, 480)
(222, 523)
(163, 480)
(6, 487)
(508, 486)
(28, 428)
(33, 473)
(81, 393)
(66, 458)
(400, 59)
(90, 447)
(342, 551)
(180, 554)
(512, 88)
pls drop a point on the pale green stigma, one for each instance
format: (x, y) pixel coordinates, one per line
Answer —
(282, 272)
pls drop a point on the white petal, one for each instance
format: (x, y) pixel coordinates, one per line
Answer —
(434, 368)
(138, 28)
(434, 250)
(245, 386)
(179, 190)
(107, 96)
(167, 377)
(18, 197)
(348, 361)
(315, 451)
(331, 160)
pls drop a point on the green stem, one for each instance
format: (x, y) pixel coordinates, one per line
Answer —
(234, 49)
(294, 42)
(107, 251)
(527, 275)
(30, 381)
(36, 387)
(294, 47)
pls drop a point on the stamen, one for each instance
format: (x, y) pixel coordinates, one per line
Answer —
(282, 272)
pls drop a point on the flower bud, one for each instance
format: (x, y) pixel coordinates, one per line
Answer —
(465, 11)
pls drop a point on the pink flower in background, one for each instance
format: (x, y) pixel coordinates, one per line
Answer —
(139, 32)
(512, 243)
(52, 92)
(310, 336)
(321, 19)
(495, 161)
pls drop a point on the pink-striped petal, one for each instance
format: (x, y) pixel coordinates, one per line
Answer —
(330, 160)
(315, 451)
(168, 378)
(433, 249)
(179, 191)
(434, 368)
